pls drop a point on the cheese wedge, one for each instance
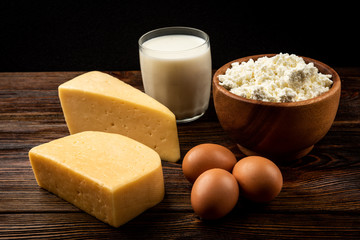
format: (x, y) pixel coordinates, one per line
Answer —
(109, 176)
(96, 101)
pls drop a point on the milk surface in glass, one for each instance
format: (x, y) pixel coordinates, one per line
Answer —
(176, 71)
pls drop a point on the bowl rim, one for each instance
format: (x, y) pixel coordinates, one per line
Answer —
(336, 86)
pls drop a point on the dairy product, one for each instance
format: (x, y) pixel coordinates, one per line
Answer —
(174, 43)
(176, 70)
(281, 78)
(96, 101)
(109, 176)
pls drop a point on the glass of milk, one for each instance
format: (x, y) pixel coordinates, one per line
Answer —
(176, 70)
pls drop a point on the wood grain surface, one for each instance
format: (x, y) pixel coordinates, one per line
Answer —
(320, 197)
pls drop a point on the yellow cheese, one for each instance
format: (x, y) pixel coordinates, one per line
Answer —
(96, 101)
(109, 176)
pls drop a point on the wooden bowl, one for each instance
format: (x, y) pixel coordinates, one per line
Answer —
(276, 130)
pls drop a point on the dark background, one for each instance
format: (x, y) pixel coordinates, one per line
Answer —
(103, 35)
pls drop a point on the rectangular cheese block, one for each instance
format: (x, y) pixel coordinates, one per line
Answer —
(107, 175)
(96, 101)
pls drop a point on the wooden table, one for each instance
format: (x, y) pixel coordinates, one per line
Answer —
(320, 197)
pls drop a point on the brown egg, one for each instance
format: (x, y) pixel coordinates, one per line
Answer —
(214, 194)
(204, 157)
(259, 179)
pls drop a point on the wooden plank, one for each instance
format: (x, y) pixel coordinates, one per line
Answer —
(153, 225)
(304, 190)
(320, 197)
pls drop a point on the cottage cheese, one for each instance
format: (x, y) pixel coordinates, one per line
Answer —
(281, 78)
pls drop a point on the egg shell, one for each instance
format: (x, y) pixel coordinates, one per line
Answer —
(214, 194)
(260, 180)
(204, 157)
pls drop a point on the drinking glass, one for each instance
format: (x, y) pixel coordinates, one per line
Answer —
(176, 70)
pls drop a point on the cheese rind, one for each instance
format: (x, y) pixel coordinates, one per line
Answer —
(109, 176)
(96, 101)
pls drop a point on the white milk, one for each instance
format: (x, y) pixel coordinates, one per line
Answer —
(176, 71)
